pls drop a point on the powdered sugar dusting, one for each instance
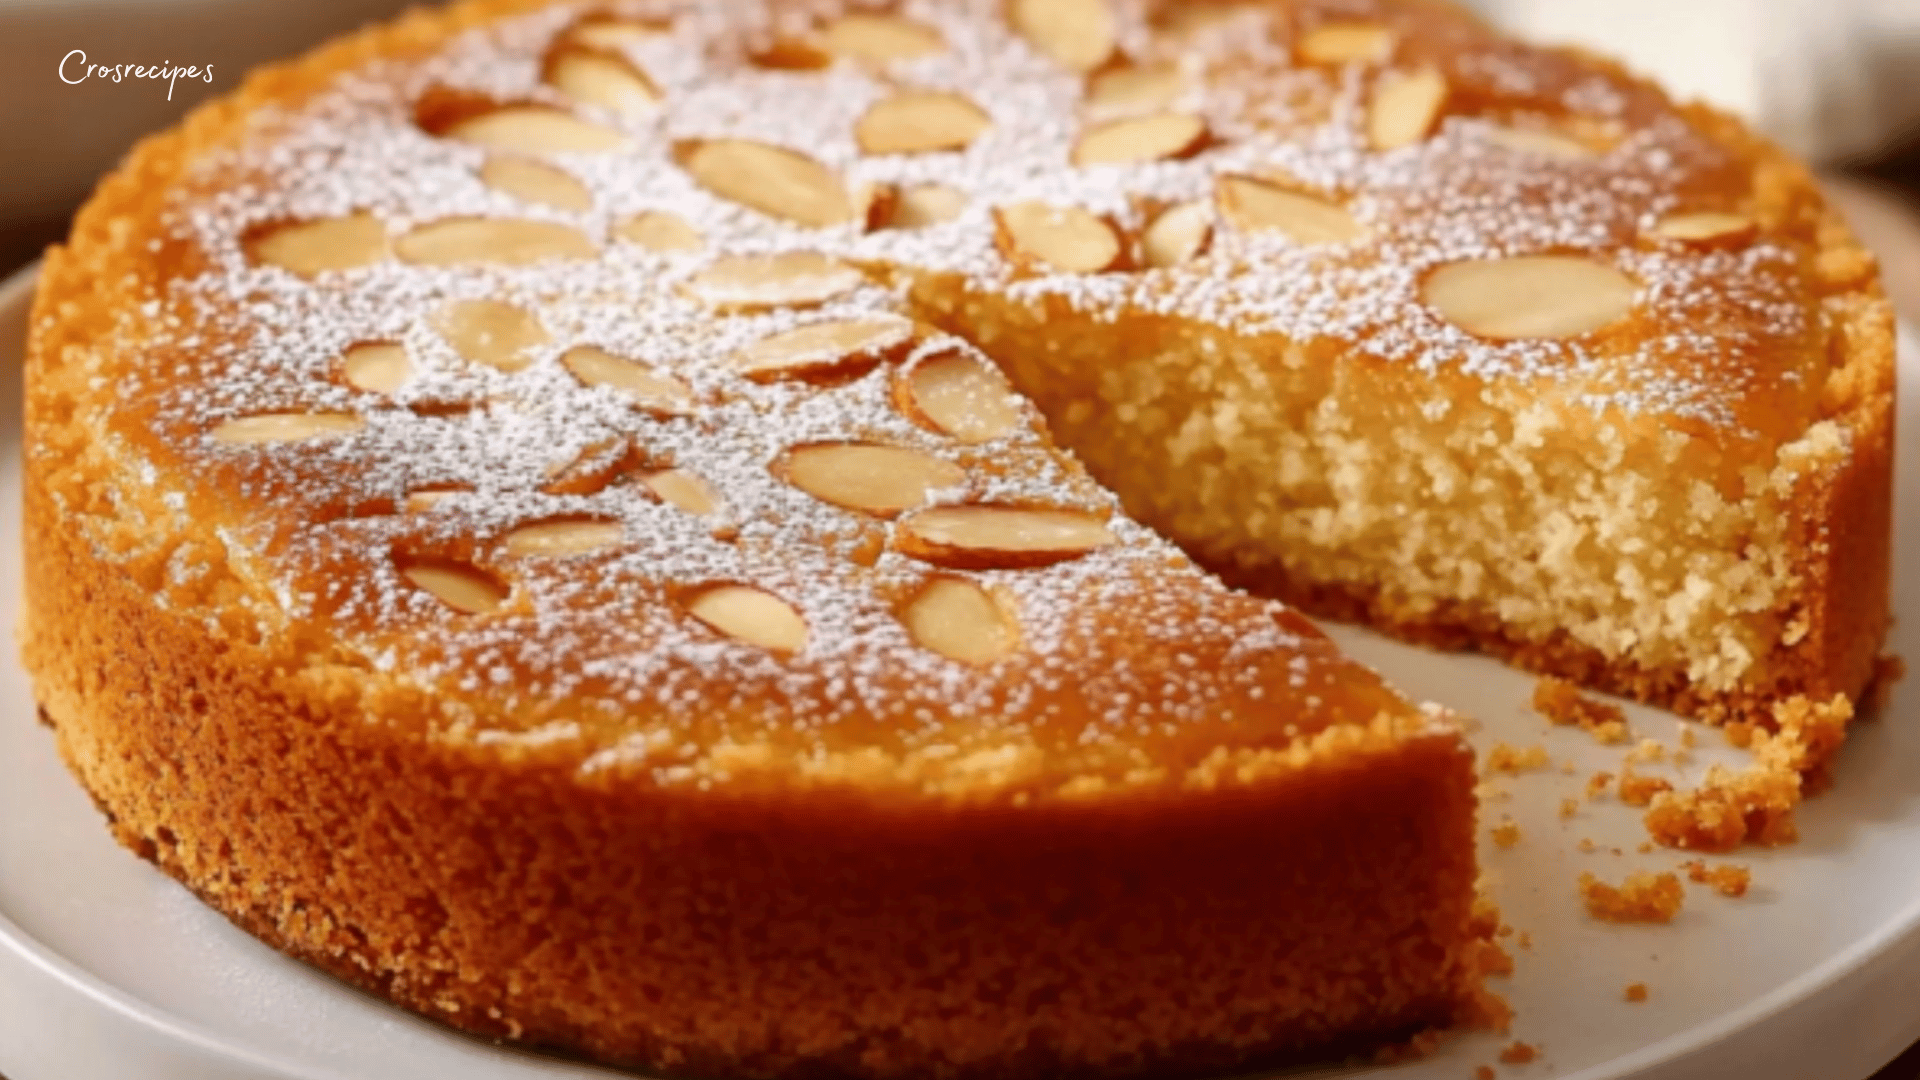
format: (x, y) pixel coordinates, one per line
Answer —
(598, 637)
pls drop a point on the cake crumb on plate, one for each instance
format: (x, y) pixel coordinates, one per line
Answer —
(1643, 897)
(1504, 758)
(1519, 1053)
(1726, 879)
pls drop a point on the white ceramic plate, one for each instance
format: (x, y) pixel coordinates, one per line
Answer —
(108, 969)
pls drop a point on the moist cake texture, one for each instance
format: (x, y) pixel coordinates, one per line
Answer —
(554, 513)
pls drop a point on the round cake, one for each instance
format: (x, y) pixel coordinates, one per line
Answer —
(572, 517)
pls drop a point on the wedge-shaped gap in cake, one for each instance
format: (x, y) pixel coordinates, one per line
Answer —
(1529, 296)
(599, 77)
(456, 583)
(375, 367)
(1045, 238)
(536, 182)
(833, 350)
(961, 621)
(872, 478)
(269, 428)
(659, 231)
(314, 246)
(987, 536)
(789, 279)
(778, 182)
(749, 615)
(564, 536)
(1265, 205)
(492, 333)
(919, 122)
(640, 383)
(958, 394)
(517, 126)
(501, 241)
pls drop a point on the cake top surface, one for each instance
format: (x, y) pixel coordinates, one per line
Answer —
(567, 357)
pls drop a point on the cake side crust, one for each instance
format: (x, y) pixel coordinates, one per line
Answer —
(1267, 911)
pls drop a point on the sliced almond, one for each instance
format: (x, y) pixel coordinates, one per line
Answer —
(536, 183)
(986, 537)
(1133, 91)
(641, 384)
(1066, 238)
(790, 54)
(925, 204)
(592, 471)
(657, 230)
(1141, 138)
(1530, 296)
(1345, 43)
(960, 395)
(1537, 141)
(426, 499)
(751, 615)
(287, 427)
(491, 332)
(960, 621)
(920, 122)
(535, 129)
(1080, 34)
(1184, 21)
(1178, 235)
(605, 79)
(1707, 228)
(678, 487)
(612, 33)
(1405, 107)
(776, 181)
(881, 480)
(378, 367)
(461, 586)
(563, 537)
(506, 241)
(874, 38)
(793, 279)
(841, 347)
(1258, 206)
(307, 248)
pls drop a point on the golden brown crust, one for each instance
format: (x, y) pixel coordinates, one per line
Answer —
(320, 805)
(759, 937)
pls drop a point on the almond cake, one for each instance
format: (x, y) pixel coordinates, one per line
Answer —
(571, 517)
